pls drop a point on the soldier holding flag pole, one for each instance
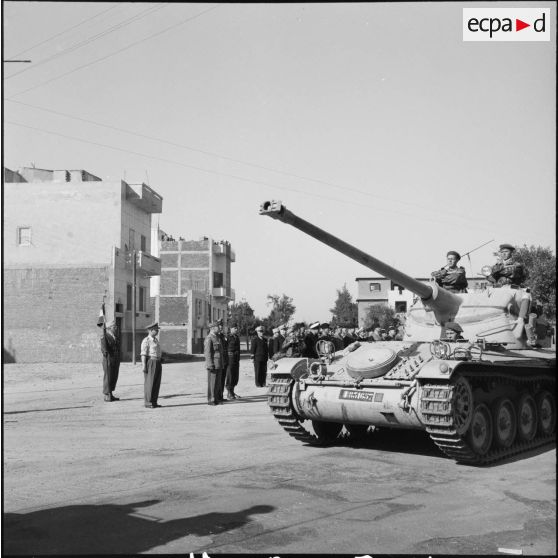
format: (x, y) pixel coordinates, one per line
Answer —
(110, 348)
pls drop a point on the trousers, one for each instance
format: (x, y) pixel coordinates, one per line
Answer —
(231, 379)
(152, 381)
(214, 394)
(111, 366)
(260, 372)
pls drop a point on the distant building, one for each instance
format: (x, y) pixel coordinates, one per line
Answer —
(382, 291)
(194, 289)
(68, 240)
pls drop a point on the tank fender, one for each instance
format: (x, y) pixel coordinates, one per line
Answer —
(439, 369)
(296, 367)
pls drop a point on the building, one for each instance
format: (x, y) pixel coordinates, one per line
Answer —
(382, 291)
(68, 243)
(194, 289)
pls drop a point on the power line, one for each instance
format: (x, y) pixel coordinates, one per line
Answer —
(65, 31)
(235, 177)
(76, 46)
(254, 165)
(117, 52)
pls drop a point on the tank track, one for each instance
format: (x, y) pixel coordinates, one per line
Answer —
(279, 401)
(438, 417)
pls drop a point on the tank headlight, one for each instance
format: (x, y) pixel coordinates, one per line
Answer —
(444, 368)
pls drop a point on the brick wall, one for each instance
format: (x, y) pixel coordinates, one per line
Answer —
(169, 260)
(50, 314)
(169, 282)
(189, 260)
(173, 310)
(174, 341)
(193, 280)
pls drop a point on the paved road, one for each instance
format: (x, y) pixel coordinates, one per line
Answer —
(85, 476)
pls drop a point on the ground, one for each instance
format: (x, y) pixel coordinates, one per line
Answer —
(82, 476)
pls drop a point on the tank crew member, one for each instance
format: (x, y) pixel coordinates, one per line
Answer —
(310, 340)
(451, 277)
(110, 347)
(507, 271)
(393, 334)
(225, 357)
(259, 356)
(453, 331)
(233, 353)
(213, 352)
(151, 365)
(325, 334)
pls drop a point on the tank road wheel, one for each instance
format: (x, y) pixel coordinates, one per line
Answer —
(462, 405)
(326, 432)
(505, 423)
(480, 432)
(357, 431)
(526, 418)
(546, 407)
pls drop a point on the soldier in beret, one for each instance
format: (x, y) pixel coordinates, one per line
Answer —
(506, 271)
(451, 277)
(151, 365)
(453, 331)
(213, 352)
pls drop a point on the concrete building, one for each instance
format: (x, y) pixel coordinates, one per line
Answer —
(194, 289)
(381, 291)
(68, 239)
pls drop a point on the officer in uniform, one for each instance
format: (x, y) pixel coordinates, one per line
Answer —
(310, 340)
(233, 353)
(110, 347)
(451, 277)
(151, 365)
(260, 355)
(225, 357)
(507, 271)
(213, 352)
(453, 331)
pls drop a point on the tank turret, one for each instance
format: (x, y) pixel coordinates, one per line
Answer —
(481, 398)
(494, 315)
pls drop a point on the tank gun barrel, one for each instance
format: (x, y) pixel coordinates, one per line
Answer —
(444, 303)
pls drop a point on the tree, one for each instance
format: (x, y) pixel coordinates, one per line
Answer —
(242, 315)
(282, 308)
(380, 314)
(540, 276)
(344, 311)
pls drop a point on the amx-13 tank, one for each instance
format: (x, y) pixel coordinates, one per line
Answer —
(481, 399)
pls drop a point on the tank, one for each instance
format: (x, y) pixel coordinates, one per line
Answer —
(480, 399)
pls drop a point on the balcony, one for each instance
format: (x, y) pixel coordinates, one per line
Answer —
(148, 265)
(144, 197)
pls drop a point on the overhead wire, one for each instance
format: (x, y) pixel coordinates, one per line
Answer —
(239, 161)
(110, 55)
(85, 42)
(65, 31)
(422, 218)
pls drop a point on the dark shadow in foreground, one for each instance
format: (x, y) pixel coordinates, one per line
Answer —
(110, 529)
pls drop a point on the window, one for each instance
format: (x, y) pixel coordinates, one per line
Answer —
(217, 280)
(132, 239)
(23, 236)
(143, 241)
(142, 299)
(401, 307)
(375, 287)
(128, 297)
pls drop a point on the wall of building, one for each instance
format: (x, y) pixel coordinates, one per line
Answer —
(84, 236)
(50, 314)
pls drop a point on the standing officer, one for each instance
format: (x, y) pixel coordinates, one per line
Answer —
(213, 352)
(225, 354)
(233, 350)
(259, 356)
(451, 277)
(151, 363)
(110, 347)
(326, 335)
(276, 342)
(310, 340)
(507, 271)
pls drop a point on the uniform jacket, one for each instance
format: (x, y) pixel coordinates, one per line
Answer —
(224, 344)
(275, 345)
(310, 341)
(507, 272)
(233, 347)
(259, 348)
(213, 352)
(110, 346)
(452, 279)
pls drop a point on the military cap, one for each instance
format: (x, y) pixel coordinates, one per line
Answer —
(507, 247)
(259, 328)
(324, 325)
(454, 326)
(154, 325)
(314, 325)
(454, 253)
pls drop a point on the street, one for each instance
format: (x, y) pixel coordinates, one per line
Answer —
(82, 476)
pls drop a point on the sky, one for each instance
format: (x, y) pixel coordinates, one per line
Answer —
(374, 121)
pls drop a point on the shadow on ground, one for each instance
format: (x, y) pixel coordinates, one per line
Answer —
(110, 528)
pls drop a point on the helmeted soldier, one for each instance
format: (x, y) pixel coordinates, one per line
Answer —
(451, 277)
(507, 271)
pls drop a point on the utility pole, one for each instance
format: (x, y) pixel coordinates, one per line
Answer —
(133, 307)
